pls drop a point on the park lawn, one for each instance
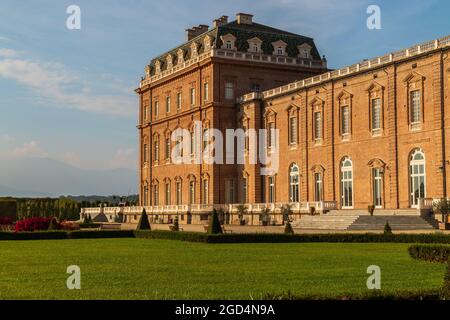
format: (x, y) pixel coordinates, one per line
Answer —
(160, 269)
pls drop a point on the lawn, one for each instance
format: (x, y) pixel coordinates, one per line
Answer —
(159, 269)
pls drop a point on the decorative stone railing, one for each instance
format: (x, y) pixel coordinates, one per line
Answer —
(235, 55)
(362, 66)
(256, 208)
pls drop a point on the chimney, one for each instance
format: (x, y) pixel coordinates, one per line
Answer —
(244, 18)
(220, 22)
(196, 31)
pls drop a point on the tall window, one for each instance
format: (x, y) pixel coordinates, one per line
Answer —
(417, 177)
(205, 193)
(347, 183)
(156, 195)
(245, 190)
(191, 192)
(271, 189)
(145, 152)
(192, 95)
(178, 193)
(294, 181)
(318, 126)
(167, 148)
(178, 100)
(167, 104)
(145, 202)
(376, 115)
(318, 186)
(228, 45)
(156, 155)
(293, 130)
(271, 135)
(192, 133)
(377, 187)
(156, 109)
(144, 111)
(167, 193)
(205, 138)
(345, 120)
(206, 91)
(229, 91)
(415, 106)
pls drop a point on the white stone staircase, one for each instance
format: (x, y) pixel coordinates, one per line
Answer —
(326, 222)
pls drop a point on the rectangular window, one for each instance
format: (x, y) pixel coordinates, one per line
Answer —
(205, 138)
(167, 192)
(156, 109)
(318, 192)
(415, 106)
(192, 192)
(376, 114)
(144, 111)
(145, 153)
(255, 87)
(167, 148)
(271, 135)
(293, 130)
(206, 91)
(178, 193)
(345, 120)
(205, 191)
(156, 150)
(155, 195)
(168, 104)
(192, 143)
(178, 100)
(229, 91)
(192, 94)
(317, 125)
(271, 189)
(245, 190)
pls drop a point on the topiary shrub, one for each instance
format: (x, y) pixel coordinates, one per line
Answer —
(288, 228)
(371, 209)
(176, 225)
(214, 224)
(144, 224)
(54, 225)
(387, 228)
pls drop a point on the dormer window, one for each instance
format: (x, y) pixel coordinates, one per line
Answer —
(180, 56)
(304, 51)
(158, 67)
(279, 48)
(228, 42)
(169, 62)
(254, 44)
(194, 50)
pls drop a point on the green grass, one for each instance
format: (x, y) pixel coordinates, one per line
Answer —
(159, 269)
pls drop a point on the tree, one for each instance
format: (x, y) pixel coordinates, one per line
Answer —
(242, 210)
(442, 207)
(144, 224)
(214, 224)
(176, 225)
(387, 228)
(54, 225)
(288, 228)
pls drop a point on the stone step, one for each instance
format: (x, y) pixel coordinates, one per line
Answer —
(396, 223)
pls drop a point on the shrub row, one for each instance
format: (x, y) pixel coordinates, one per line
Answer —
(375, 295)
(439, 254)
(56, 235)
(298, 238)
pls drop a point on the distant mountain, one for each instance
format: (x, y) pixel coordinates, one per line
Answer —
(42, 177)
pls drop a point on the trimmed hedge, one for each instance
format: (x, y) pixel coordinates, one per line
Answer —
(298, 238)
(8, 208)
(439, 254)
(56, 235)
(375, 295)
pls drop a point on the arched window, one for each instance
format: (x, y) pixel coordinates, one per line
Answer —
(347, 183)
(417, 177)
(294, 182)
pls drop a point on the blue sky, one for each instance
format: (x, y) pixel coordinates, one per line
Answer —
(68, 94)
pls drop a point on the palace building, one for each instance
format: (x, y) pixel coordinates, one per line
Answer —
(373, 133)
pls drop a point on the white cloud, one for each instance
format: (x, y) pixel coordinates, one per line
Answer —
(6, 137)
(29, 149)
(124, 158)
(8, 53)
(52, 83)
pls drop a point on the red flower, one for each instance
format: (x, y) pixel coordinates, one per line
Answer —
(32, 224)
